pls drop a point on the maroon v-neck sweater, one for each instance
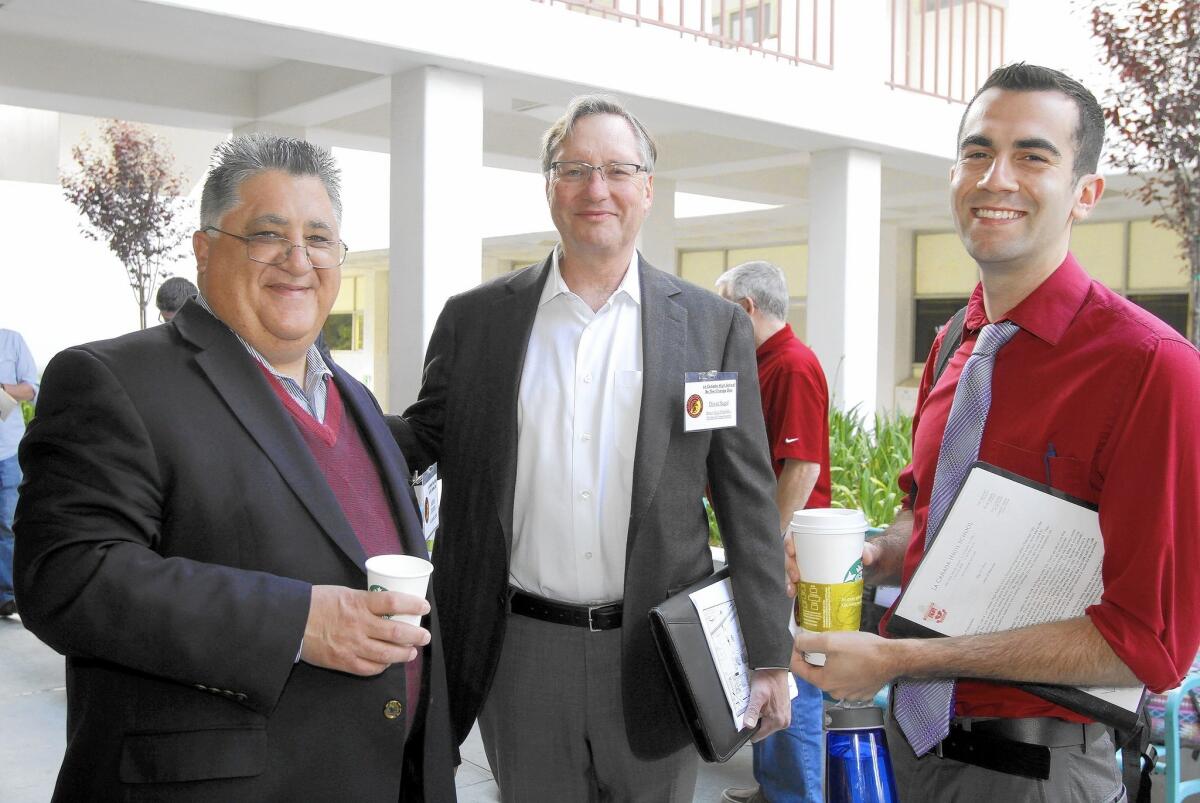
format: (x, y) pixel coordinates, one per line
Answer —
(338, 448)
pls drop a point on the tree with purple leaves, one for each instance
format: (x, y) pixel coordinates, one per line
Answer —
(1153, 47)
(131, 198)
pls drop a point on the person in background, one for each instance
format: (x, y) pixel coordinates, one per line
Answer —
(18, 379)
(172, 294)
(795, 401)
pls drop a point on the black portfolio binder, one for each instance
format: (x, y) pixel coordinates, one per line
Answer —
(689, 664)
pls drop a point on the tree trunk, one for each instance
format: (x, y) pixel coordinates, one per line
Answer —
(1194, 266)
(142, 314)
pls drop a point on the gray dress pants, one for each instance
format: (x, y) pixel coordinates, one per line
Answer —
(1077, 775)
(553, 724)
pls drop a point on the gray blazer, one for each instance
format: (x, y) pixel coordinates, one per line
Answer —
(466, 419)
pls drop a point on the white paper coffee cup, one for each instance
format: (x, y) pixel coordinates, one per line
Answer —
(402, 573)
(829, 546)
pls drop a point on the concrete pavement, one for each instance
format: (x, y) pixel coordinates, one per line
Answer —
(33, 712)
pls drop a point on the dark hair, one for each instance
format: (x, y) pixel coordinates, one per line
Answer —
(1022, 77)
(245, 156)
(173, 292)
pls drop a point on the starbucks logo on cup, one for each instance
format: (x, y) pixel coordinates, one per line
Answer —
(855, 572)
(376, 588)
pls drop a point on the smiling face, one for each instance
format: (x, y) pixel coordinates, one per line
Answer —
(278, 309)
(598, 218)
(1013, 188)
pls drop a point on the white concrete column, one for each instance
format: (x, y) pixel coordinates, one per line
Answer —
(31, 145)
(860, 49)
(657, 241)
(895, 312)
(843, 272)
(436, 249)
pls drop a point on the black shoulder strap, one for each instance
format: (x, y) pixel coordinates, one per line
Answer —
(1138, 758)
(950, 343)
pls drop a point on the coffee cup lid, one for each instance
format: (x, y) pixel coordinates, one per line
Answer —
(832, 520)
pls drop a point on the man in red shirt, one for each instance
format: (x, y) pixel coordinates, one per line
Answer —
(795, 400)
(1092, 396)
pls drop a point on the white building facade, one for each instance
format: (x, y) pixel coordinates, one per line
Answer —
(836, 118)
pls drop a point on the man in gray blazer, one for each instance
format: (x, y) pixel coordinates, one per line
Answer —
(554, 403)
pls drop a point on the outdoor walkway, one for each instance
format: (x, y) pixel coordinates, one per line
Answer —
(33, 724)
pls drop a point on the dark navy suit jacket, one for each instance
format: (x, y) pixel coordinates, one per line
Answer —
(171, 524)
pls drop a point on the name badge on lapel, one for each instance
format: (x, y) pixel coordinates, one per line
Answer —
(709, 400)
(428, 489)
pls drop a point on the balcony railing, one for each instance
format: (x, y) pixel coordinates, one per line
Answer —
(945, 48)
(796, 31)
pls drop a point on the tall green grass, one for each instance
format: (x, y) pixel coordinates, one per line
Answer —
(863, 466)
(865, 462)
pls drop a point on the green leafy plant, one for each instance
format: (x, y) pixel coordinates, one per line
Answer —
(714, 529)
(865, 462)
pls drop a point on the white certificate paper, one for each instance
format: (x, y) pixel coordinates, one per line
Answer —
(1008, 555)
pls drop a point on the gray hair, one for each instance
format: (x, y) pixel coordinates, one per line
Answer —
(243, 157)
(173, 293)
(762, 283)
(586, 106)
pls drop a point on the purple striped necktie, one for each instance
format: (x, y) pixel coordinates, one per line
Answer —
(923, 707)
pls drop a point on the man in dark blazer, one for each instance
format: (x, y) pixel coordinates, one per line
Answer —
(199, 502)
(554, 403)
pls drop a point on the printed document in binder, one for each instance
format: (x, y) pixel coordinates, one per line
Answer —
(723, 632)
(1013, 553)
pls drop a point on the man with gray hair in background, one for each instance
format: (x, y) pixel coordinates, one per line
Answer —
(795, 401)
(206, 582)
(554, 404)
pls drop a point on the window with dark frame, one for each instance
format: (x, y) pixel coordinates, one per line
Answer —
(930, 315)
(343, 331)
(1170, 308)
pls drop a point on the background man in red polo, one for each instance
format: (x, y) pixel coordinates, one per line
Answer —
(795, 401)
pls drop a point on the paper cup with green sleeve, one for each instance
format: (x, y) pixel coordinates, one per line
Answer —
(402, 573)
(829, 546)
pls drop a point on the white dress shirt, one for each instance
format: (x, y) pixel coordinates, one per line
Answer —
(577, 421)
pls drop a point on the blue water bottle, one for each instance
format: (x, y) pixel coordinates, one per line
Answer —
(857, 766)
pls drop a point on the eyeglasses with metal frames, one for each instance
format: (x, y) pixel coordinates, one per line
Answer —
(272, 250)
(581, 172)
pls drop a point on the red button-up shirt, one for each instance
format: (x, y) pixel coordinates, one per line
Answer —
(1098, 398)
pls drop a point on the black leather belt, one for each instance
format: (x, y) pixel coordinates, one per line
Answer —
(1014, 746)
(593, 617)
